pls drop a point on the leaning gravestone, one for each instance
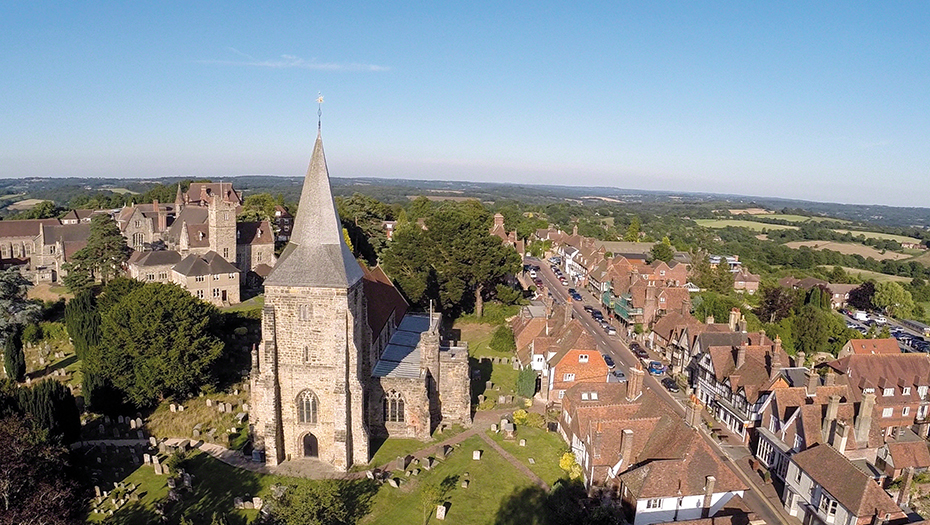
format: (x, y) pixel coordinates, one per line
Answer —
(440, 512)
(476, 455)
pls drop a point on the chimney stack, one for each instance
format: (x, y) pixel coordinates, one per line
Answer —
(626, 447)
(740, 356)
(709, 483)
(634, 385)
(693, 411)
(840, 435)
(833, 407)
(830, 378)
(864, 419)
(813, 381)
(734, 319)
(800, 358)
(710, 319)
(904, 494)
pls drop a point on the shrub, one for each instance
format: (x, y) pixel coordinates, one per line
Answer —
(502, 340)
(53, 331)
(32, 333)
(488, 404)
(526, 382)
(519, 417)
(534, 420)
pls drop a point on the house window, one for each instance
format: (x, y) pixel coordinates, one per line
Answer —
(773, 423)
(888, 392)
(200, 294)
(561, 394)
(216, 293)
(905, 411)
(306, 407)
(584, 396)
(797, 478)
(798, 442)
(225, 215)
(922, 411)
(226, 253)
(150, 277)
(887, 412)
(906, 391)
(232, 276)
(869, 390)
(394, 407)
(654, 503)
(827, 506)
(922, 391)
(138, 240)
(568, 377)
(198, 279)
(258, 256)
(162, 275)
(583, 358)
(137, 223)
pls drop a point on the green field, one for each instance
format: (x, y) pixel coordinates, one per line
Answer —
(802, 218)
(876, 276)
(882, 236)
(752, 225)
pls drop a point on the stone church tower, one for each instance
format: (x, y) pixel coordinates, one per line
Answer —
(221, 221)
(310, 374)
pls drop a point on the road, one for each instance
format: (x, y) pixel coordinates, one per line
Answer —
(614, 346)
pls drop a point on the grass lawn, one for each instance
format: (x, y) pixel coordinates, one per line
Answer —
(252, 303)
(165, 423)
(490, 480)
(215, 485)
(883, 236)
(544, 447)
(390, 449)
(752, 225)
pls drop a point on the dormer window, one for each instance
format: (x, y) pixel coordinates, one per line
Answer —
(922, 391)
(888, 392)
(583, 358)
(584, 396)
(593, 396)
(200, 235)
(906, 391)
(568, 377)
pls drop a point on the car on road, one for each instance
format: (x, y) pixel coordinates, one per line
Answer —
(638, 350)
(619, 376)
(610, 330)
(610, 361)
(588, 308)
(670, 384)
(656, 368)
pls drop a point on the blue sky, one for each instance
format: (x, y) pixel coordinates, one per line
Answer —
(811, 100)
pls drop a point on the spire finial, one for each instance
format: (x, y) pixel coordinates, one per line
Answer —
(319, 112)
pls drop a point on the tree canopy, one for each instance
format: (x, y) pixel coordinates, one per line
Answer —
(156, 342)
(102, 257)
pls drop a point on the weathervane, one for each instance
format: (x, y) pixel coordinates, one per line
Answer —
(319, 112)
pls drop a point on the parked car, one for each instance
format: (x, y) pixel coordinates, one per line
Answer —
(620, 376)
(880, 319)
(610, 330)
(610, 361)
(638, 350)
(656, 368)
(670, 384)
(572, 291)
(588, 308)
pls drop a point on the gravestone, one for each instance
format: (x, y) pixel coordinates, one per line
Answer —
(440, 512)
(522, 442)
(101, 429)
(257, 503)
(173, 407)
(369, 474)
(116, 433)
(481, 398)
(494, 427)
(153, 442)
(464, 483)
(476, 455)
(132, 424)
(180, 408)
(187, 478)
(159, 470)
(229, 408)
(245, 407)
(97, 490)
(134, 498)
(416, 472)
(489, 385)
(240, 417)
(510, 399)
(446, 450)
(172, 483)
(393, 482)
(531, 460)
(209, 402)
(120, 420)
(408, 459)
(138, 422)
(221, 407)
(140, 434)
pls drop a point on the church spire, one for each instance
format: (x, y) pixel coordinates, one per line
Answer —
(317, 254)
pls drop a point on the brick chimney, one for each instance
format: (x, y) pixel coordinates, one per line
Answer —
(904, 493)
(830, 378)
(740, 356)
(800, 358)
(813, 381)
(833, 407)
(840, 436)
(634, 385)
(710, 319)
(626, 447)
(709, 483)
(775, 363)
(864, 419)
(734, 319)
(693, 412)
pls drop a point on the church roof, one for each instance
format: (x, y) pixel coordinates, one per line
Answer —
(401, 357)
(317, 255)
(208, 264)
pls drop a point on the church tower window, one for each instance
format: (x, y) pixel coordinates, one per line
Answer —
(306, 407)
(394, 407)
(305, 312)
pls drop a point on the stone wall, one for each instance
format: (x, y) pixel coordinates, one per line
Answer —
(455, 386)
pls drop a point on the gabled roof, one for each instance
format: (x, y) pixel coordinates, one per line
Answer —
(874, 346)
(909, 454)
(880, 370)
(383, 299)
(26, 228)
(851, 487)
(254, 233)
(317, 255)
(156, 258)
(208, 264)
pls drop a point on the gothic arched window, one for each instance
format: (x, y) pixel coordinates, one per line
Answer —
(306, 407)
(394, 407)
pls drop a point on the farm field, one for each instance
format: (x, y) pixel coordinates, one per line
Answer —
(802, 218)
(876, 276)
(24, 204)
(752, 225)
(849, 248)
(883, 236)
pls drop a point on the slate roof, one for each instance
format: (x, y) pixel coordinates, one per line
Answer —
(156, 258)
(317, 255)
(254, 233)
(383, 299)
(401, 357)
(209, 264)
(26, 228)
(851, 487)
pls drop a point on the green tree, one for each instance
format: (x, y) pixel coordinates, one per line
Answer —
(861, 297)
(15, 309)
(103, 257)
(83, 322)
(663, 251)
(37, 483)
(633, 230)
(258, 207)
(502, 340)
(325, 502)
(52, 407)
(157, 342)
(893, 298)
(14, 360)
(526, 382)
(776, 303)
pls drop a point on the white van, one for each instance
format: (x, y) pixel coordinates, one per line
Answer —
(861, 315)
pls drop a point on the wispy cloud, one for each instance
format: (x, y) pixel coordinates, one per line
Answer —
(292, 62)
